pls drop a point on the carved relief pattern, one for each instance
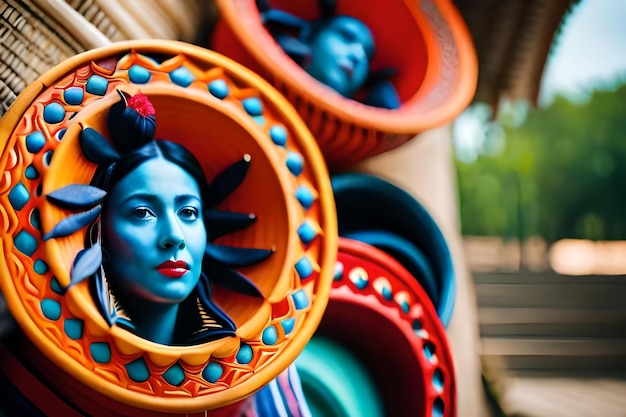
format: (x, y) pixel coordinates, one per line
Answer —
(367, 278)
(76, 330)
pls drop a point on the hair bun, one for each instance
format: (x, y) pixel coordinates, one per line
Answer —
(132, 122)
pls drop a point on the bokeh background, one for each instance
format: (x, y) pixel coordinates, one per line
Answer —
(541, 185)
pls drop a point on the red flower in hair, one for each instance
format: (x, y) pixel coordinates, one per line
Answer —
(141, 104)
(132, 121)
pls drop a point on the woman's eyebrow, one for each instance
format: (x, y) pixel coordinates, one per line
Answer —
(140, 196)
(154, 197)
(186, 197)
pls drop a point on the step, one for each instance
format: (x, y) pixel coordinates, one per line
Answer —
(567, 295)
(555, 356)
(564, 397)
(552, 322)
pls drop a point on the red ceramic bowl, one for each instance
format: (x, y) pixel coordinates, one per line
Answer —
(425, 40)
(380, 314)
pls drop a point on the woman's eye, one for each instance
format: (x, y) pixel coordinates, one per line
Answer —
(189, 213)
(348, 35)
(143, 213)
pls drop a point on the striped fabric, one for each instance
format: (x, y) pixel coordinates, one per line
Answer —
(282, 397)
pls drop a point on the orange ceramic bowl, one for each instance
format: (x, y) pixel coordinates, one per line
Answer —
(425, 40)
(220, 111)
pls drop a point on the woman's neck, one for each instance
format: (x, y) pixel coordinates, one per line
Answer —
(154, 321)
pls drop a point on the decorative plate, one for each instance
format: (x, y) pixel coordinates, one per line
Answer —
(383, 317)
(221, 111)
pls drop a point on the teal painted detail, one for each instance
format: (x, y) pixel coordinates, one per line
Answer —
(260, 120)
(47, 158)
(359, 278)
(175, 375)
(304, 268)
(288, 325)
(73, 328)
(25, 243)
(300, 299)
(244, 356)
(212, 372)
(97, 85)
(35, 142)
(219, 89)
(182, 76)
(305, 196)
(438, 407)
(429, 352)
(19, 196)
(438, 380)
(295, 163)
(307, 233)
(361, 283)
(56, 286)
(35, 219)
(138, 74)
(59, 135)
(31, 172)
(138, 370)
(253, 106)
(270, 336)
(421, 333)
(100, 352)
(405, 306)
(417, 325)
(40, 266)
(278, 135)
(53, 113)
(73, 95)
(387, 294)
(51, 309)
(338, 272)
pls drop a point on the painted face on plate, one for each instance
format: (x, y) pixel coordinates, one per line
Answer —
(341, 50)
(154, 233)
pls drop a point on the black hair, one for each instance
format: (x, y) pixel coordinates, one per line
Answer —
(168, 150)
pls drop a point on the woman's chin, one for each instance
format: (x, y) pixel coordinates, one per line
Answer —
(174, 293)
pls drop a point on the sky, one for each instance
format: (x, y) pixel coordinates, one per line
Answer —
(589, 53)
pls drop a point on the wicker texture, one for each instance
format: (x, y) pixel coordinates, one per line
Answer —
(35, 35)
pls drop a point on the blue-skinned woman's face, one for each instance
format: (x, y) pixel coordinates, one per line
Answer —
(154, 233)
(341, 50)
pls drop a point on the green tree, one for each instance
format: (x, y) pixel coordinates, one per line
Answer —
(561, 174)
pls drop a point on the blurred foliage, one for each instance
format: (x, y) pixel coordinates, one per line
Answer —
(559, 174)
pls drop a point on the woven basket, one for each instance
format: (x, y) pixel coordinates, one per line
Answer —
(35, 35)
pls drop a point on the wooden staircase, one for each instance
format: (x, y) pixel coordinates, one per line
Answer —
(552, 342)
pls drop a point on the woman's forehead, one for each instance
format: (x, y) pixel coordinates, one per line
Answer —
(355, 27)
(158, 176)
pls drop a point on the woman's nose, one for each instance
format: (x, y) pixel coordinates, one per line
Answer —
(357, 53)
(171, 235)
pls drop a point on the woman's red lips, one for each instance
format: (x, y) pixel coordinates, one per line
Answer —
(173, 269)
(348, 68)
